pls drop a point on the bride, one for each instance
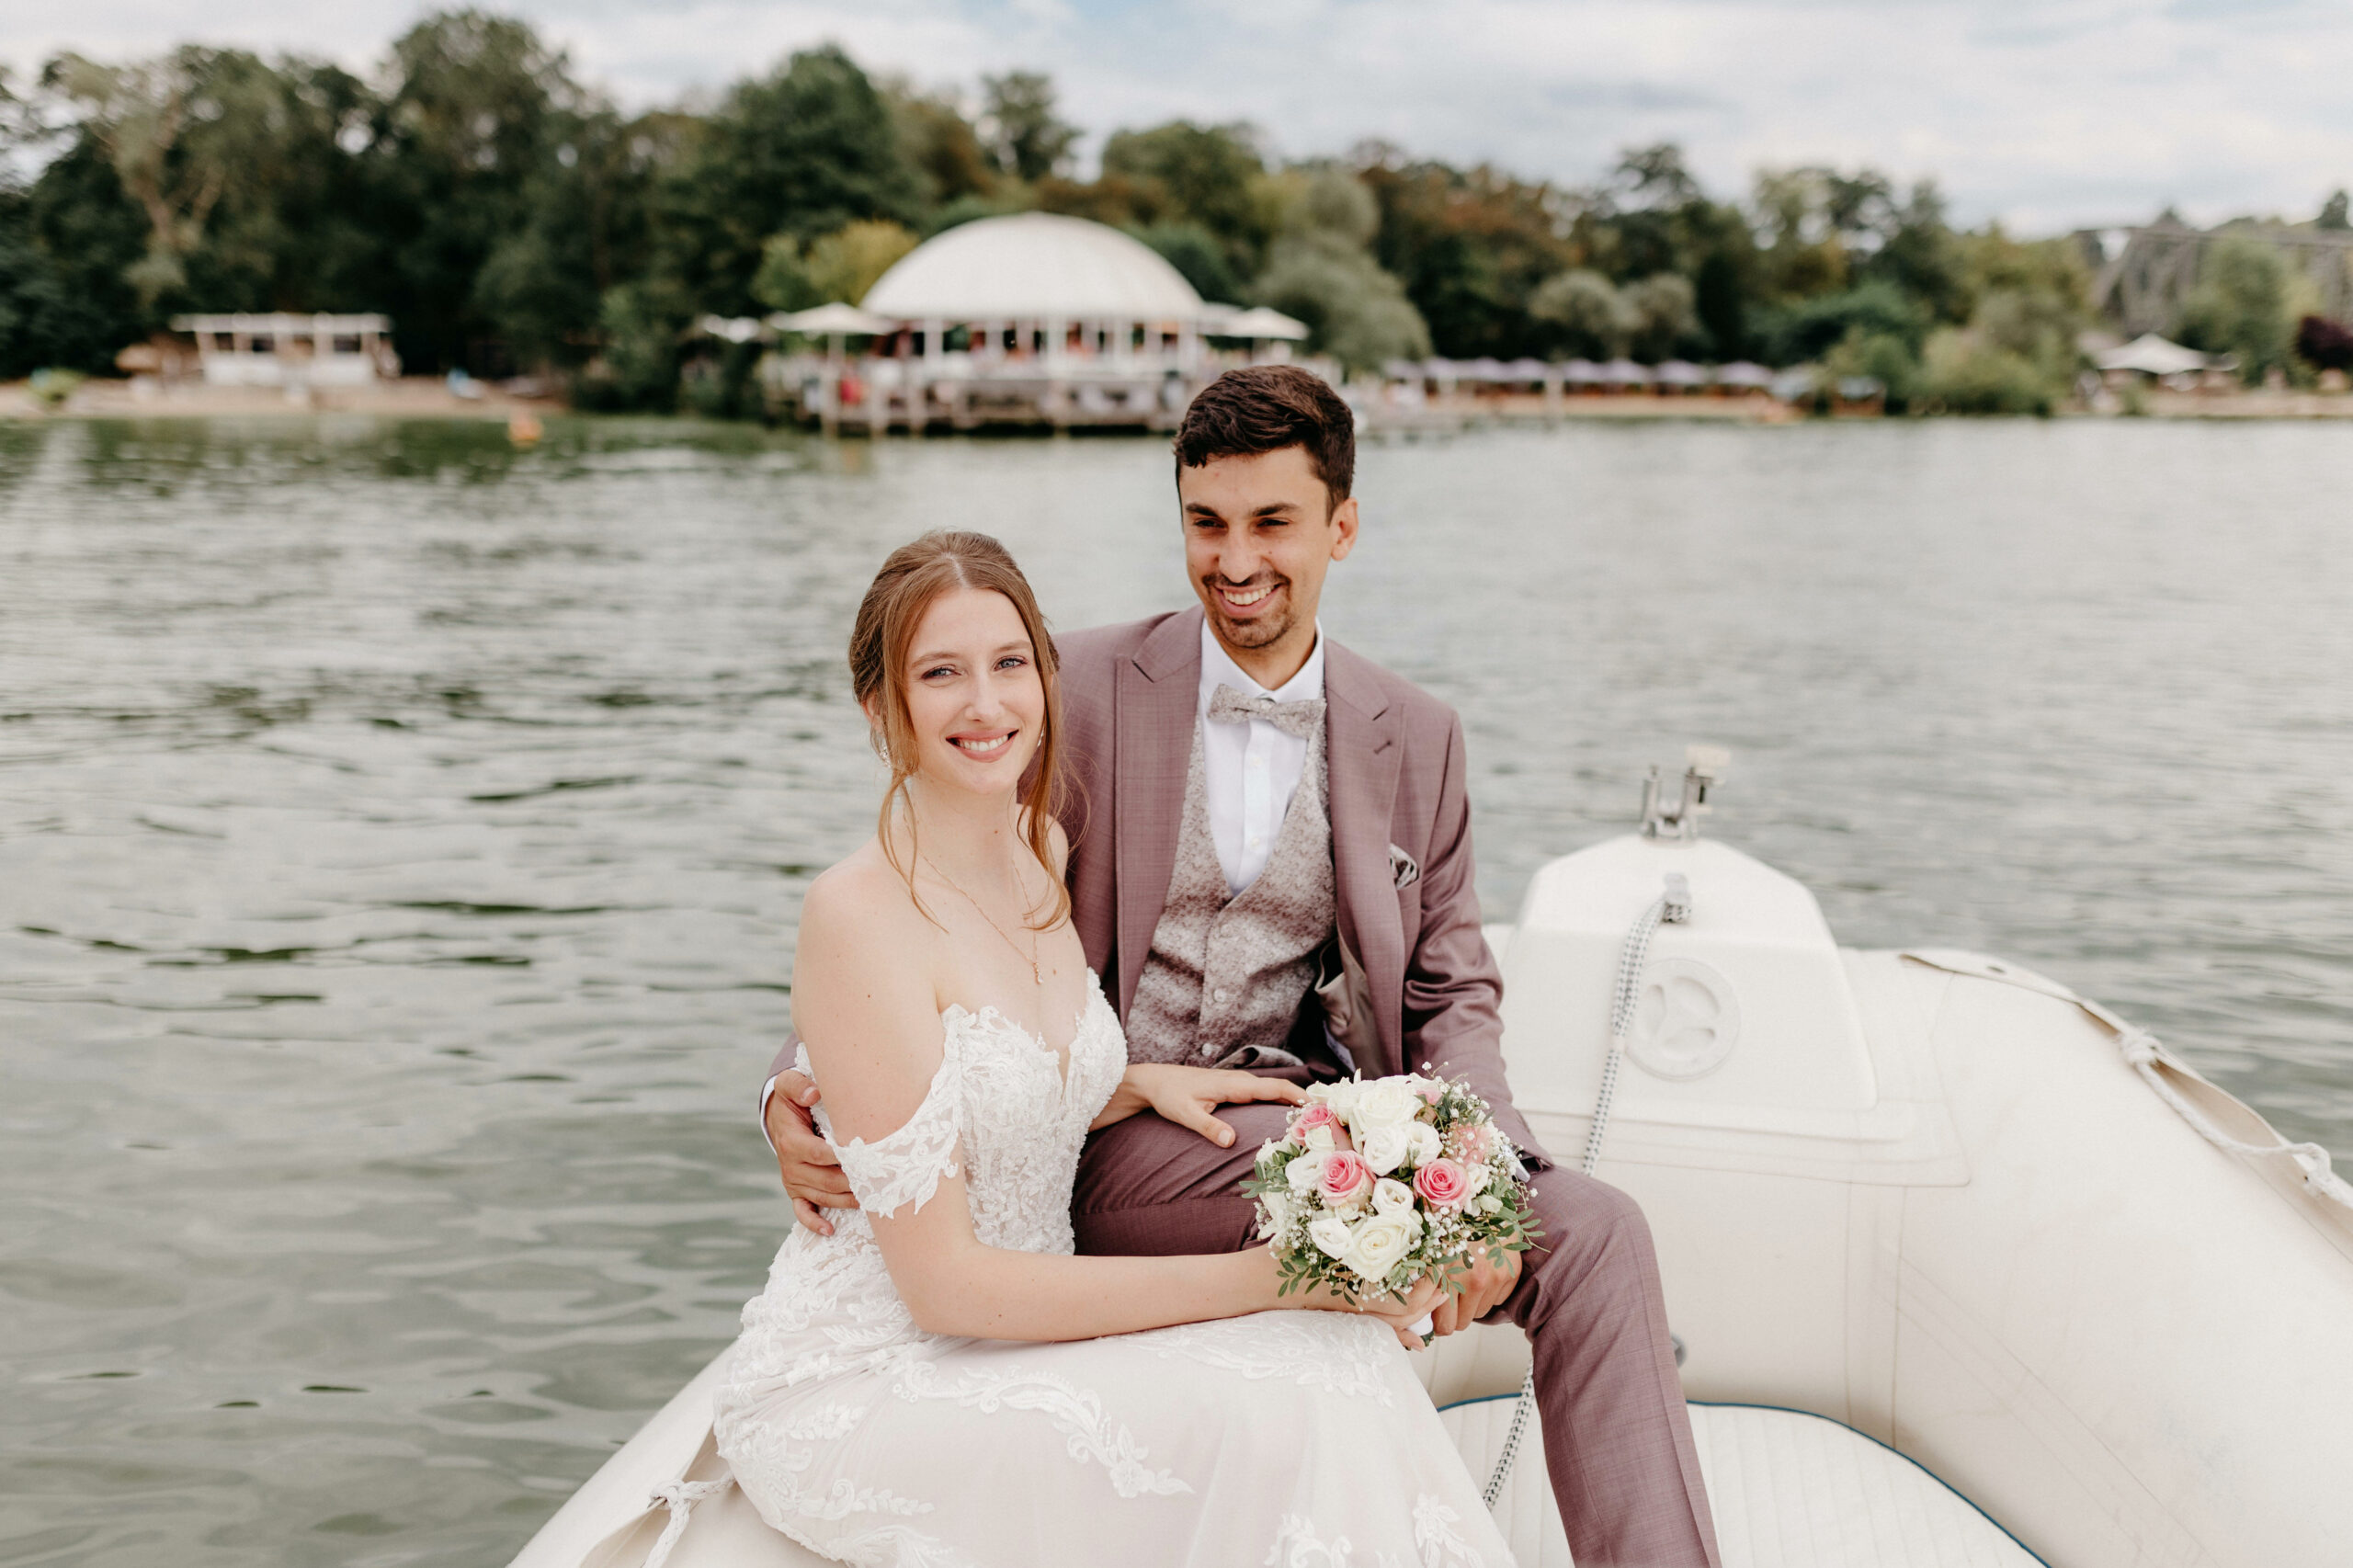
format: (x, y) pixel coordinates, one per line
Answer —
(940, 1381)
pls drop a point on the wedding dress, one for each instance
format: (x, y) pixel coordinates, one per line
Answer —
(1295, 1439)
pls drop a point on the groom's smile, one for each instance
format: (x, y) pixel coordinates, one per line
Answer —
(1261, 530)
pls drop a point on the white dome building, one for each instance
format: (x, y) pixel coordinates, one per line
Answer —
(1063, 321)
(1035, 267)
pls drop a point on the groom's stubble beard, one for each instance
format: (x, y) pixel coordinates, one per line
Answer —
(1260, 631)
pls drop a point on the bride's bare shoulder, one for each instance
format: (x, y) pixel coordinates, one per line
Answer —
(865, 957)
(863, 895)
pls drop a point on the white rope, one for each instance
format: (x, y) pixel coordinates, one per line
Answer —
(679, 1497)
(2147, 1057)
(1674, 904)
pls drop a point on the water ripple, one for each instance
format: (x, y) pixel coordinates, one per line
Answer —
(402, 839)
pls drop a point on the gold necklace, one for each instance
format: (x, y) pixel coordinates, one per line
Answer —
(1035, 976)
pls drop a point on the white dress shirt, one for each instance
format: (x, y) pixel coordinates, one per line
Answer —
(1250, 771)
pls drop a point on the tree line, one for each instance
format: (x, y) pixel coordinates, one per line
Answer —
(512, 220)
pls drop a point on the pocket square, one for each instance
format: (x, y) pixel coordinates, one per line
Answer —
(1404, 869)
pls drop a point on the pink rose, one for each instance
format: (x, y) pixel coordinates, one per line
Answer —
(1441, 1184)
(1433, 1093)
(1311, 1117)
(1346, 1177)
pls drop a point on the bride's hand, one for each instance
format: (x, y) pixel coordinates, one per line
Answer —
(1403, 1315)
(1186, 1095)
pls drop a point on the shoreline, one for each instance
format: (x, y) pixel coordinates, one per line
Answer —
(414, 397)
(430, 398)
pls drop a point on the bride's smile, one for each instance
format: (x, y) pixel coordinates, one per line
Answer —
(974, 698)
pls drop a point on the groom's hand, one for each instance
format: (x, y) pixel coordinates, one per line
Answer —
(812, 1176)
(1186, 1095)
(1487, 1277)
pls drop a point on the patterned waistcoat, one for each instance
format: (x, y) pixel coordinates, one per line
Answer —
(1226, 975)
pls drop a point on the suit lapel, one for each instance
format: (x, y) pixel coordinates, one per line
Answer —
(1363, 758)
(1155, 707)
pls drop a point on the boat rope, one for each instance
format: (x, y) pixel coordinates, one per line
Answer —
(2148, 1058)
(1673, 905)
(679, 1497)
(2207, 1110)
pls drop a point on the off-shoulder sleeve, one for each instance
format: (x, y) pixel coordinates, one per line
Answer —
(904, 1166)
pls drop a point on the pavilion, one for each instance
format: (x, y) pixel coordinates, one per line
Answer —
(282, 349)
(1034, 318)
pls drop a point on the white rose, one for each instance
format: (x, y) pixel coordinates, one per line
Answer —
(1320, 1138)
(1384, 1148)
(1391, 1197)
(1427, 1144)
(1306, 1171)
(1385, 1102)
(1339, 1095)
(1474, 1181)
(1377, 1244)
(1331, 1236)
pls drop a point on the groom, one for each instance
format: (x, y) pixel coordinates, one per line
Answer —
(1271, 869)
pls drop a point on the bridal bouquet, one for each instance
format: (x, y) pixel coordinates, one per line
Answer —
(1376, 1183)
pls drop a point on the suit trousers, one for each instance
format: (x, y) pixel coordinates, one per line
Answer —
(1617, 1435)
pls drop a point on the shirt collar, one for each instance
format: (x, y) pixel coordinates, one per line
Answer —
(1218, 668)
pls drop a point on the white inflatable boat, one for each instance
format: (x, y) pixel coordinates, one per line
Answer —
(1971, 1272)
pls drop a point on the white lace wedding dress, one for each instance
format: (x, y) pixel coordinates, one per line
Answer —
(1295, 1439)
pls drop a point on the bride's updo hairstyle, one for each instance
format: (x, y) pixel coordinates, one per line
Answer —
(888, 617)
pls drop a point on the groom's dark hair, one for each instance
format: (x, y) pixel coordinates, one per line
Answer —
(1264, 408)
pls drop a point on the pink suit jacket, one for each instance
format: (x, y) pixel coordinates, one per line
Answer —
(1130, 696)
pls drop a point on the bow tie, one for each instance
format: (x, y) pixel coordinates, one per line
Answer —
(1228, 706)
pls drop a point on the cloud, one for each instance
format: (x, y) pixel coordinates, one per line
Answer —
(2062, 113)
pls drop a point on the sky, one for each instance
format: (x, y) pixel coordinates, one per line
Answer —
(2048, 115)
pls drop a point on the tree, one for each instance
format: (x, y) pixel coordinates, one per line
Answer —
(1585, 306)
(1471, 246)
(137, 114)
(1019, 126)
(840, 266)
(1656, 178)
(1969, 372)
(478, 111)
(1917, 253)
(1195, 252)
(1660, 316)
(939, 144)
(2241, 306)
(1204, 174)
(1321, 271)
(2334, 212)
(1806, 329)
(801, 151)
(1817, 225)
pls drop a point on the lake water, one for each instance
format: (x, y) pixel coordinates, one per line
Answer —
(400, 838)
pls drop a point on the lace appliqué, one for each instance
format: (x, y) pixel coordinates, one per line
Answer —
(1329, 1352)
(904, 1166)
(1297, 1545)
(1078, 1416)
(1435, 1537)
(893, 1546)
(1436, 1544)
(825, 1423)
